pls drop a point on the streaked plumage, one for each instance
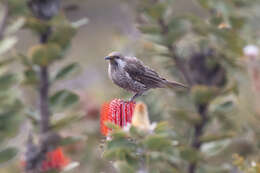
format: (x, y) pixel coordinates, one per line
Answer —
(131, 74)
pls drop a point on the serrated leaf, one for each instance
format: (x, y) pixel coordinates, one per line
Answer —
(156, 11)
(6, 81)
(149, 29)
(213, 148)
(114, 154)
(64, 122)
(112, 125)
(44, 55)
(15, 26)
(204, 3)
(63, 99)
(121, 143)
(62, 35)
(120, 154)
(177, 29)
(216, 137)
(37, 25)
(202, 94)
(30, 77)
(189, 154)
(66, 71)
(222, 105)
(6, 61)
(7, 154)
(117, 134)
(7, 44)
(161, 127)
(137, 133)
(68, 141)
(157, 142)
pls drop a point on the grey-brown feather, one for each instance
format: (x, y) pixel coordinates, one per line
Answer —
(143, 74)
(131, 74)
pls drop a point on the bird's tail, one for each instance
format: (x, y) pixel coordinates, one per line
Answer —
(175, 84)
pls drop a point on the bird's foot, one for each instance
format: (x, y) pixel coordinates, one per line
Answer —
(135, 96)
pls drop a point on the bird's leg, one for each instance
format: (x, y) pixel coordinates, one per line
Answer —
(135, 96)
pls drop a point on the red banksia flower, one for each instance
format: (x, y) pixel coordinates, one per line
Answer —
(55, 160)
(118, 112)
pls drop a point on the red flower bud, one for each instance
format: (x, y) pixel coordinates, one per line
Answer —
(54, 160)
(118, 112)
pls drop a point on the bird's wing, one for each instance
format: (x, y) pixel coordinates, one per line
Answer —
(143, 74)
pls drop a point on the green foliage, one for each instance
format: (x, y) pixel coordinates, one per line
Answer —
(138, 150)
(7, 154)
(44, 55)
(66, 71)
(205, 48)
(63, 99)
(10, 106)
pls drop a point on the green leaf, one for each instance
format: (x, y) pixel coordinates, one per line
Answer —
(157, 142)
(161, 127)
(178, 27)
(30, 77)
(204, 3)
(149, 29)
(115, 154)
(137, 133)
(37, 25)
(156, 11)
(189, 154)
(63, 99)
(6, 81)
(121, 143)
(7, 44)
(7, 154)
(202, 94)
(223, 105)
(68, 141)
(214, 148)
(66, 71)
(64, 122)
(6, 61)
(123, 167)
(112, 125)
(117, 134)
(44, 55)
(15, 26)
(62, 35)
(216, 137)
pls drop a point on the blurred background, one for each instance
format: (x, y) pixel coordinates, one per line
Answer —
(219, 48)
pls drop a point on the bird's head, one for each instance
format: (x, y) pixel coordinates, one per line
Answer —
(116, 58)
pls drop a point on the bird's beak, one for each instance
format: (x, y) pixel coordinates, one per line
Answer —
(108, 58)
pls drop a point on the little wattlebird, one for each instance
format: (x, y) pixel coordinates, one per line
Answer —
(131, 74)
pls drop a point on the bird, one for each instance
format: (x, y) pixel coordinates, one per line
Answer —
(131, 74)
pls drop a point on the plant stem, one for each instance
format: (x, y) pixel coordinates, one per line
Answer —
(44, 90)
(44, 107)
(202, 109)
(198, 132)
(4, 20)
